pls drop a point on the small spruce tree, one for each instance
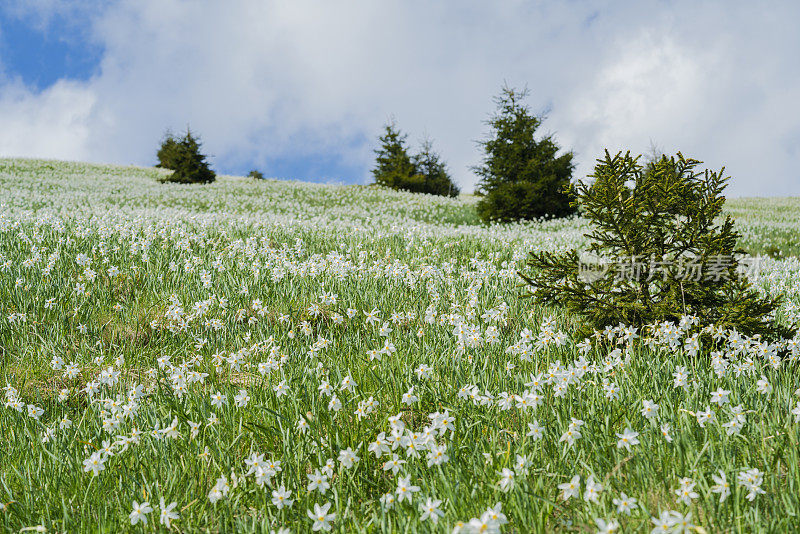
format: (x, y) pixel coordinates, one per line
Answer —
(418, 173)
(168, 151)
(658, 250)
(435, 178)
(393, 164)
(521, 177)
(187, 162)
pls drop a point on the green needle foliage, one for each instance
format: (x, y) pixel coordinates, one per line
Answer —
(657, 251)
(521, 177)
(184, 157)
(168, 151)
(419, 173)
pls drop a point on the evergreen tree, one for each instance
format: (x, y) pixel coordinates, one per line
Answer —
(659, 249)
(393, 164)
(420, 173)
(168, 151)
(189, 164)
(436, 180)
(521, 177)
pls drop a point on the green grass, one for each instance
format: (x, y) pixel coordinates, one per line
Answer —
(288, 243)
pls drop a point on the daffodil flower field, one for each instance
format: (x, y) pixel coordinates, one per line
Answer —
(270, 356)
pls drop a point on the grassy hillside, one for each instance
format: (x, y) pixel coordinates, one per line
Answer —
(234, 347)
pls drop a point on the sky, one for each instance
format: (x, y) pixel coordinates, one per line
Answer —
(302, 89)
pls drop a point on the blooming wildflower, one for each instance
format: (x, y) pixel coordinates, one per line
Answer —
(405, 490)
(686, 491)
(627, 439)
(521, 465)
(423, 372)
(302, 425)
(437, 455)
(242, 398)
(606, 527)
(663, 523)
(592, 491)
(94, 463)
(611, 390)
(387, 500)
(171, 431)
(281, 389)
(681, 524)
(751, 479)
(535, 430)
(722, 486)
(167, 513)
(649, 409)
(394, 464)
(625, 504)
(506, 482)
(571, 488)
(322, 519)
(570, 436)
(704, 416)
(763, 386)
(681, 377)
(281, 498)
(34, 411)
(409, 397)
(734, 426)
(318, 481)
(430, 510)
(483, 525)
(140, 512)
(495, 516)
(348, 458)
(347, 384)
(720, 396)
(218, 399)
(220, 490)
(379, 446)
(665, 429)
(796, 412)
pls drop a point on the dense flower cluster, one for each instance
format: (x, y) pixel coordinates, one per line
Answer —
(243, 359)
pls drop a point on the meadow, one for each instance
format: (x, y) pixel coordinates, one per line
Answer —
(275, 356)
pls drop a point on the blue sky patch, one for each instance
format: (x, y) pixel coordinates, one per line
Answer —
(42, 55)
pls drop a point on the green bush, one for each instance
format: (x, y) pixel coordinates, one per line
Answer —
(258, 175)
(659, 252)
(183, 156)
(420, 173)
(521, 177)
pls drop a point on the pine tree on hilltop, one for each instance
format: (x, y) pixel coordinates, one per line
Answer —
(420, 173)
(521, 177)
(393, 164)
(189, 164)
(168, 151)
(436, 179)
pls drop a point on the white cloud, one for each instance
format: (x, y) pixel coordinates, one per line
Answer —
(265, 80)
(55, 123)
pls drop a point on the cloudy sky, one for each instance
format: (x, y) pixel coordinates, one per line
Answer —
(300, 89)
